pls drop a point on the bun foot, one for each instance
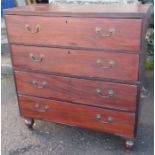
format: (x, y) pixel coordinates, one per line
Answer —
(29, 123)
(129, 144)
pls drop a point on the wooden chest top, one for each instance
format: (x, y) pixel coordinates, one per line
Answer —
(91, 10)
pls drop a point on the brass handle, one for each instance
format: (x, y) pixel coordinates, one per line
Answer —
(107, 33)
(39, 59)
(40, 109)
(42, 85)
(28, 29)
(108, 120)
(105, 65)
(99, 92)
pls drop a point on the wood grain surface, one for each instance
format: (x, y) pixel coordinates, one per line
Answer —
(80, 10)
(62, 56)
(122, 123)
(78, 90)
(102, 64)
(65, 31)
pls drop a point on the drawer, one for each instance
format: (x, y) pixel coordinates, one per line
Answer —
(96, 33)
(95, 93)
(118, 123)
(111, 65)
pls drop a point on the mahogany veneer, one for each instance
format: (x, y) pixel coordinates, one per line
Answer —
(85, 35)
(122, 123)
(79, 65)
(100, 64)
(78, 90)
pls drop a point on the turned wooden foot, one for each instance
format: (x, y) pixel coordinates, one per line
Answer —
(29, 123)
(129, 144)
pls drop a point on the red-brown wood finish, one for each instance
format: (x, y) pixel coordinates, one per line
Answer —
(65, 31)
(101, 64)
(61, 56)
(122, 123)
(80, 10)
(78, 90)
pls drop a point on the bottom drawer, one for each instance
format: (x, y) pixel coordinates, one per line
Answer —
(110, 121)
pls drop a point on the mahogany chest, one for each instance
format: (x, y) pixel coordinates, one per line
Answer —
(79, 65)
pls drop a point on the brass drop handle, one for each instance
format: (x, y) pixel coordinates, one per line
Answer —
(37, 85)
(107, 33)
(29, 29)
(108, 120)
(35, 59)
(105, 65)
(40, 109)
(108, 94)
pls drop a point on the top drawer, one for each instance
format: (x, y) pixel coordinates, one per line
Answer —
(96, 33)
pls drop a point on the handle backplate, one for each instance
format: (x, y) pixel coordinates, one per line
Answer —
(40, 108)
(29, 29)
(109, 119)
(107, 33)
(105, 64)
(37, 59)
(101, 93)
(37, 85)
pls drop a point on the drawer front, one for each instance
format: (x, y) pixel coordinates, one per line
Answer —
(118, 123)
(96, 93)
(97, 33)
(111, 65)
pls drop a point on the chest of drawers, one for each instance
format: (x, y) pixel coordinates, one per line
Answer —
(79, 65)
